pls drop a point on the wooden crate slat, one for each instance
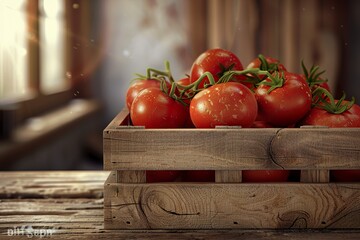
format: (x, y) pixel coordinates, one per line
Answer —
(317, 148)
(306, 148)
(225, 206)
(188, 149)
(235, 149)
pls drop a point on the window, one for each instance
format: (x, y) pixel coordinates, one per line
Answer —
(13, 48)
(33, 55)
(52, 49)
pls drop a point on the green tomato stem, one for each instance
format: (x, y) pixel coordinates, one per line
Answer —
(168, 71)
(328, 102)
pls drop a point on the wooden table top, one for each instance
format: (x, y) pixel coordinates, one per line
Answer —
(69, 205)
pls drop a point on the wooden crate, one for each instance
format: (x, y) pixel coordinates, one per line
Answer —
(313, 202)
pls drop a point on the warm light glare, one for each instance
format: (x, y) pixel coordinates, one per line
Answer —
(52, 8)
(12, 4)
(52, 35)
(13, 48)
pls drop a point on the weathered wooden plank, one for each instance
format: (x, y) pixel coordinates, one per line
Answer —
(229, 149)
(229, 206)
(87, 223)
(42, 207)
(60, 176)
(55, 184)
(190, 235)
(82, 218)
(317, 148)
(235, 149)
(188, 149)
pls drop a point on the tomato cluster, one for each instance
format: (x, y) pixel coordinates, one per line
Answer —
(219, 91)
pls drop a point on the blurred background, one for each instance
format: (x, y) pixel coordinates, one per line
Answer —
(65, 65)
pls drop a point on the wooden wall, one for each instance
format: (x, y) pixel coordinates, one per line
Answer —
(315, 31)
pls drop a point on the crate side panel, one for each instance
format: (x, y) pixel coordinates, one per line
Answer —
(108, 189)
(121, 119)
(288, 206)
(229, 206)
(114, 209)
(214, 149)
(333, 148)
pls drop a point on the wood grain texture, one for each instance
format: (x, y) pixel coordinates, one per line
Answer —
(216, 24)
(290, 34)
(55, 184)
(231, 149)
(231, 206)
(187, 149)
(228, 176)
(244, 31)
(80, 217)
(268, 33)
(131, 176)
(317, 148)
(315, 176)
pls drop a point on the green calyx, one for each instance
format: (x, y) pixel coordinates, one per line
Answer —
(265, 65)
(323, 99)
(255, 79)
(313, 76)
(224, 69)
(277, 80)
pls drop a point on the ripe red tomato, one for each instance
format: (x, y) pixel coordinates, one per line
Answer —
(265, 175)
(320, 117)
(199, 176)
(229, 104)
(139, 85)
(216, 61)
(153, 108)
(345, 175)
(184, 81)
(286, 104)
(162, 176)
(261, 124)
